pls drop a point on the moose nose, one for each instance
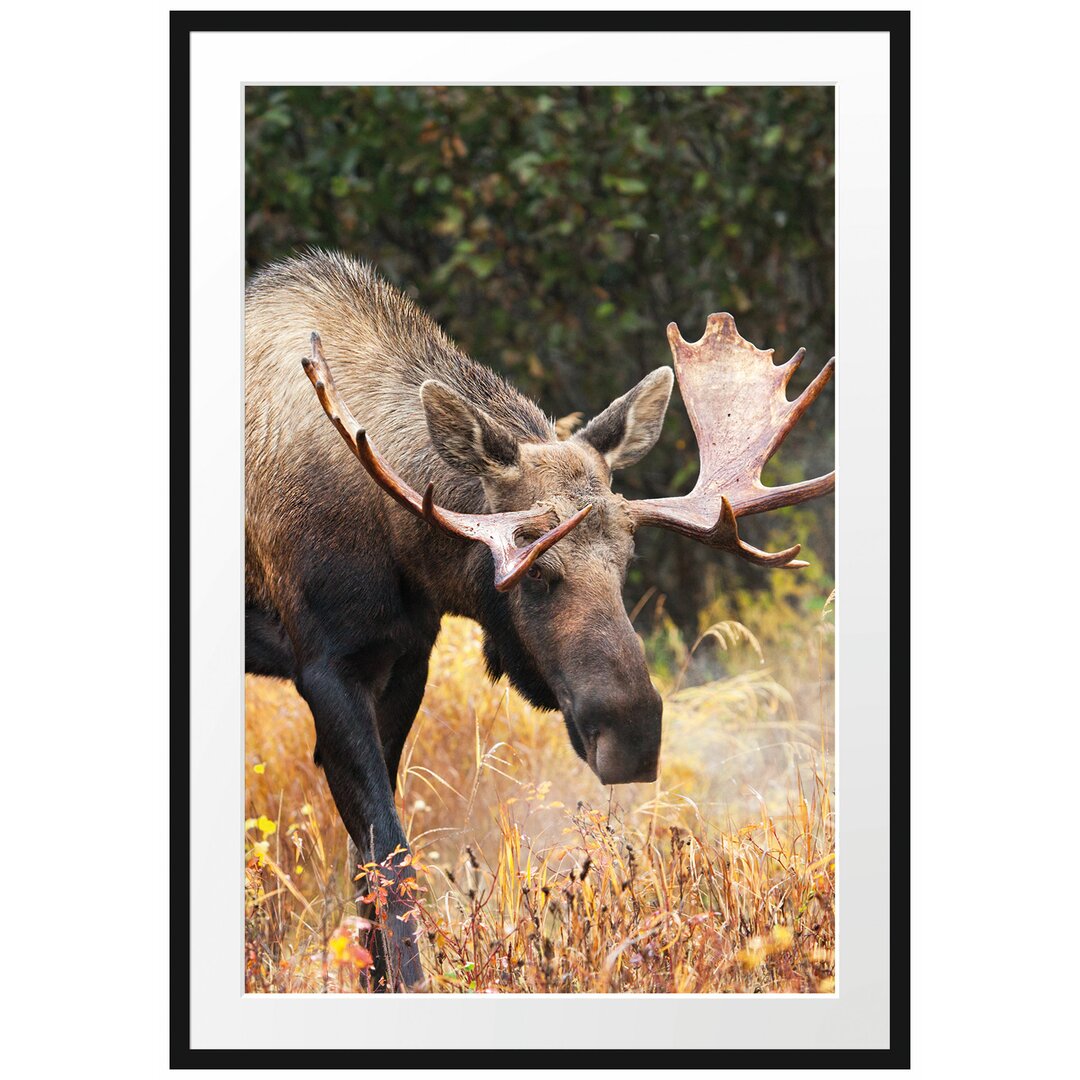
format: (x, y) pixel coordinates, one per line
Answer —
(619, 763)
(624, 747)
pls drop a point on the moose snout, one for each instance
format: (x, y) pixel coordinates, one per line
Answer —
(622, 737)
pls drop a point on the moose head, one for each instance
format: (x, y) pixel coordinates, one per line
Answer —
(561, 539)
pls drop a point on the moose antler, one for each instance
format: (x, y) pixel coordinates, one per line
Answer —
(735, 396)
(495, 530)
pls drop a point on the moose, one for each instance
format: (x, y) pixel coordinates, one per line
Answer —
(350, 570)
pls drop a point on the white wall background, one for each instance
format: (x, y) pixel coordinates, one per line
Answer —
(84, 445)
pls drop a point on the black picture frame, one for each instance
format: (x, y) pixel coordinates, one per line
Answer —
(894, 23)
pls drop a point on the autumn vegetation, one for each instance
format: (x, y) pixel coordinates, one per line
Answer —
(533, 878)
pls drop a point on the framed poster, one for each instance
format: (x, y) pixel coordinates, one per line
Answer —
(482, 331)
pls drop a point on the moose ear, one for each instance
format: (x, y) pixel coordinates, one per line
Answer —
(465, 436)
(629, 427)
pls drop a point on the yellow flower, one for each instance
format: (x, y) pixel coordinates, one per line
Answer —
(782, 937)
(754, 954)
(261, 768)
(338, 944)
(266, 825)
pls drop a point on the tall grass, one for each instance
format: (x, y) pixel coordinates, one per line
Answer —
(719, 877)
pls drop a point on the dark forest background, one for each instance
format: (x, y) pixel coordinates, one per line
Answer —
(554, 232)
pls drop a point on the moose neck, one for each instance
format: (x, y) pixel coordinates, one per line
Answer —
(470, 591)
(504, 652)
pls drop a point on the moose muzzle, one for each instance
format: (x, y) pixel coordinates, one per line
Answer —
(621, 733)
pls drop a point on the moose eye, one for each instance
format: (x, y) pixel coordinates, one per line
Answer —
(536, 581)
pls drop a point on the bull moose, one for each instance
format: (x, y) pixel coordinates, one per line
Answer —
(347, 579)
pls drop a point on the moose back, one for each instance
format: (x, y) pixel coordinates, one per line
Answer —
(355, 401)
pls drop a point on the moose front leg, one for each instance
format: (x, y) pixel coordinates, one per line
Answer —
(400, 702)
(351, 756)
(395, 712)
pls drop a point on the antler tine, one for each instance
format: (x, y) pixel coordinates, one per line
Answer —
(517, 561)
(792, 365)
(495, 530)
(804, 400)
(727, 529)
(735, 397)
(318, 371)
(788, 495)
(723, 534)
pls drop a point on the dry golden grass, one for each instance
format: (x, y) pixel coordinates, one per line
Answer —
(533, 877)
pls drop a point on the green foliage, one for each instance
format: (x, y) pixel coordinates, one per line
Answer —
(556, 231)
